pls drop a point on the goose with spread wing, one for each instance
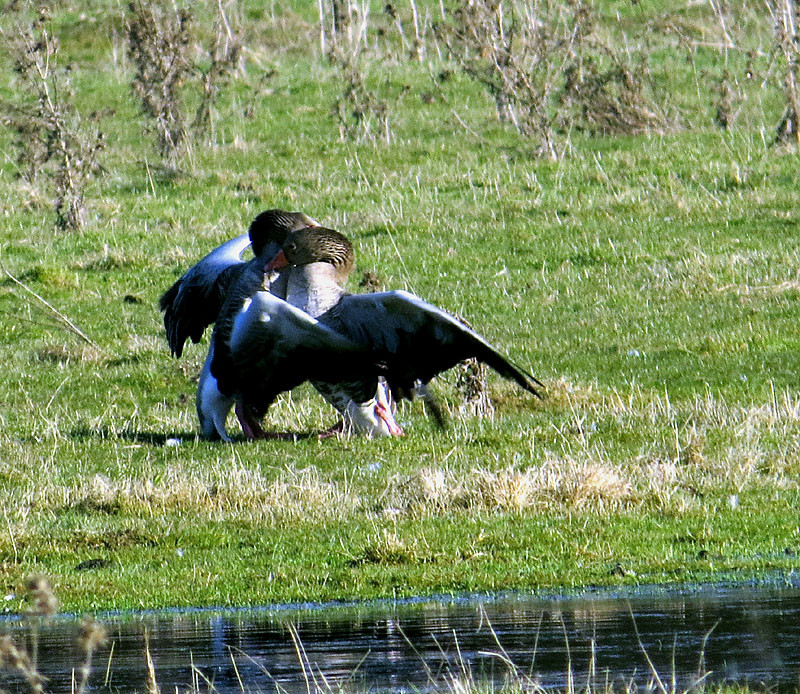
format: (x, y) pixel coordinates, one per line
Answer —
(248, 340)
(274, 347)
(194, 301)
(412, 339)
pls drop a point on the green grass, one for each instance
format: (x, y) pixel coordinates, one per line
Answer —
(651, 282)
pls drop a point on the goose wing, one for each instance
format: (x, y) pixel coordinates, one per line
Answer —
(416, 339)
(194, 301)
(275, 347)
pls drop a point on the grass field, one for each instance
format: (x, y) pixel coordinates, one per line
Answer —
(651, 280)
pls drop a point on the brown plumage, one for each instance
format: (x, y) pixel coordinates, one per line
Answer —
(318, 245)
(409, 340)
(304, 247)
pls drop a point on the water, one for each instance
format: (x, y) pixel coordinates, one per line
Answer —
(741, 634)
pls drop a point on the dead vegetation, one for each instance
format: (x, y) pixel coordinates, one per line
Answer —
(677, 473)
(386, 546)
(64, 354)
(786, 20)
(53, 139)
(557, 484)
(549, 70)
(471, 383)
(727, 101)
(293, 496)
(361, 108)
(22, 658)
(162, 42)
(159, 46)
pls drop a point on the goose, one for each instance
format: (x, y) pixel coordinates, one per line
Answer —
(196, 299)
(228, 371)
(407, 340)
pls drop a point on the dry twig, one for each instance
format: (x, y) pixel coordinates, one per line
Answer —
(66, 322)
(51, 134)
(786, 19)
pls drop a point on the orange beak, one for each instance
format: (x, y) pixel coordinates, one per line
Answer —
(278, 262)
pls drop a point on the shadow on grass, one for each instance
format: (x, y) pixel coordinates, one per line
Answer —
(150, 438)
(160, 439)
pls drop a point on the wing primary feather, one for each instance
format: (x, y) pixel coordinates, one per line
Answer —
(418, 339)
(508, 370)
(193, 302)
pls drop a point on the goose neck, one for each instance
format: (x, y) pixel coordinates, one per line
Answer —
(313, 288)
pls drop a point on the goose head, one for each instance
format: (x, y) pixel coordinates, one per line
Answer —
(317, 245)
(272, 227)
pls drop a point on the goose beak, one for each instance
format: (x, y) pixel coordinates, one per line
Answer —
(278, 262)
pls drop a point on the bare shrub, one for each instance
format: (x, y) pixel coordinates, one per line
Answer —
(547, 69)
(414, 47)
(505, 49)
(161, 43)
(727, 101)
(52, 136)
(786, 18)
(361, 111)
(608, 100)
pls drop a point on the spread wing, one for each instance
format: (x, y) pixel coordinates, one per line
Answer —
(194, 301)
(416, 340)
(275, 347)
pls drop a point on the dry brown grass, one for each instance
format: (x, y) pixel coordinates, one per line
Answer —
(674, 474)
(17, 658)
(557, 484)
(22, 657)
(234, 491)
(683, 468)
(385, 546)
(68, 354)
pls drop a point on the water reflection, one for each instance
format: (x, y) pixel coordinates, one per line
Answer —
(751, 635)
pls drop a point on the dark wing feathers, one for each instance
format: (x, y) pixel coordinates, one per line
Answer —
(416, 339)
(194, 301)
(275, 347)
